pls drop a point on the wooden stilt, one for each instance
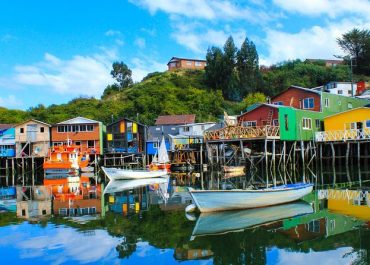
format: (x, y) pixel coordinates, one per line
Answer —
(359, 163)
(333, 163)
(347, 162)
(22, 171)
(321, 167)
(33, 170)
(284, 162)
(224, 153)
(303, 162)
(266, 161)
(13, 172)
(273, 163)
(6, 172)
(294, 161)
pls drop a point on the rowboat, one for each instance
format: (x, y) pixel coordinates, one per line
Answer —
(122, 185)
(233, 221)
(117, 173)
(233, 169)
(221, 200)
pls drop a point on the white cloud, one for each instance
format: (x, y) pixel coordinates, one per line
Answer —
(87, 75)
(7, 38)
(10, 102)
(315, 42)
(113, 32)
(140, 42)
(142, 67)
(331, 8)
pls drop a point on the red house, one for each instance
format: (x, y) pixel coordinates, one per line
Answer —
(299, 98)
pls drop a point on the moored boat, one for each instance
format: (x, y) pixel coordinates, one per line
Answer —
(65, 159)
(121, 185)
(117, 173)
(233, 169)
(221, 200)
(161, 161)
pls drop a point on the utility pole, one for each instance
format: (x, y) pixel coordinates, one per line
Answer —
(351, 76)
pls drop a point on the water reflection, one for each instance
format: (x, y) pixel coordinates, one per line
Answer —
(144, 222)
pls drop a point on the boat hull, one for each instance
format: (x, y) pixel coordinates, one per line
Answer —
(116, 173)
(221, 200)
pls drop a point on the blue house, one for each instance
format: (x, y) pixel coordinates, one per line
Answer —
(7, 140)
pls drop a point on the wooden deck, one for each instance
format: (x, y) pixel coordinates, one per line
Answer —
(240, 132)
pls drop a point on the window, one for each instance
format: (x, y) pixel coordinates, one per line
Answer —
(42, 129)
(318, 123)
(63, 211)
(82, 128)
(326, 102)
(75, 128)
(173, 128)
(202, 127)
(21, 130)
(23, 212)
(367, 123)
(249, 123)
(188, 63)
(306, 124)
(280, 103)
(44, 212)
(349, 105)
(198, 64)
(339, 102)
(340, 92)
(275, 122)
(308, 103)
(155, 145)
(349, 92)
(90, 144)
(78, 143)
(90, 128)
(186, 129)
(173, 64)
(157, 129)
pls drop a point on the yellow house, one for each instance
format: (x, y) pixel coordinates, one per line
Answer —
(348, 125)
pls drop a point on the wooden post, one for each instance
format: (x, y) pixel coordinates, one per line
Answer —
(303, 162)
(224, 153)
(284, 165)
(6, 172)
(33, 170)
(267, 168)
(13, 172)
(359, 163)
(217, 157)
(347, 162)
(22, 171)
(333, 163)
(201, 156)
(321, 168)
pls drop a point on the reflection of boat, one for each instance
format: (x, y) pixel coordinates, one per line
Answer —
(231, 221)
(220, 200)
(161, 161)
(8, 200)
(117, 173)
(121, 185)
(233, 174)
(65, 158)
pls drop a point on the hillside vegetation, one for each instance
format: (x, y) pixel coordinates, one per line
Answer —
(179, 92)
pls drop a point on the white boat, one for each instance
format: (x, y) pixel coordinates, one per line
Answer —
(122, 185)
(117, 173)
(234, 221)
(221, 200)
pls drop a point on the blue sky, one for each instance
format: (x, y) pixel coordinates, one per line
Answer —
(53, 51)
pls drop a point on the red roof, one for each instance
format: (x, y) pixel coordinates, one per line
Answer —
(175, 119)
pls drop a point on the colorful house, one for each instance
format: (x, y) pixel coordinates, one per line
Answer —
(7, 140)
(295, 114)
(32, 138)
(182, 63)
(79, 131)
(353, 124)
(126, 136)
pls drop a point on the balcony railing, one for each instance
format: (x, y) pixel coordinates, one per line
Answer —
(343, 135)
(240, 132)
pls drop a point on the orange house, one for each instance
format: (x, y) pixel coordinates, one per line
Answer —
(182, 63)
(82, 132)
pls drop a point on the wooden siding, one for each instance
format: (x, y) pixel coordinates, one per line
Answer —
(259, 115)
(39, 136)
(294, 97)
(186, 64)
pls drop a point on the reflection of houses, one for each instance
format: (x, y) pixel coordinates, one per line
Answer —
(32, 138)
(8, 196)
(33, 202)
(179, 199)
(182, 63)
(129, 201)
(353, 124)
(85, 133)
(73, 195)
(7, 140)
(126, 136)
(192, 254)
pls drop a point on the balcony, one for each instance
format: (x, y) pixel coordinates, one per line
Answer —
(343, 135)
(240, 132)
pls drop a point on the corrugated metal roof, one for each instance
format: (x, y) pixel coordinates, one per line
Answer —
(4, 126)
(175, 119)
(78, 120)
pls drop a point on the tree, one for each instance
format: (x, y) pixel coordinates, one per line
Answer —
(248, 67)
(356, 43)
(254, 98)
(122, 74)
(213, 69)
(229, 82)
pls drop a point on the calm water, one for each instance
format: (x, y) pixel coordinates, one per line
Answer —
(148, 225)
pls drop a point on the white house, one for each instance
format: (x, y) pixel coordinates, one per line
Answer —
(195, 129)
(339, 88)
